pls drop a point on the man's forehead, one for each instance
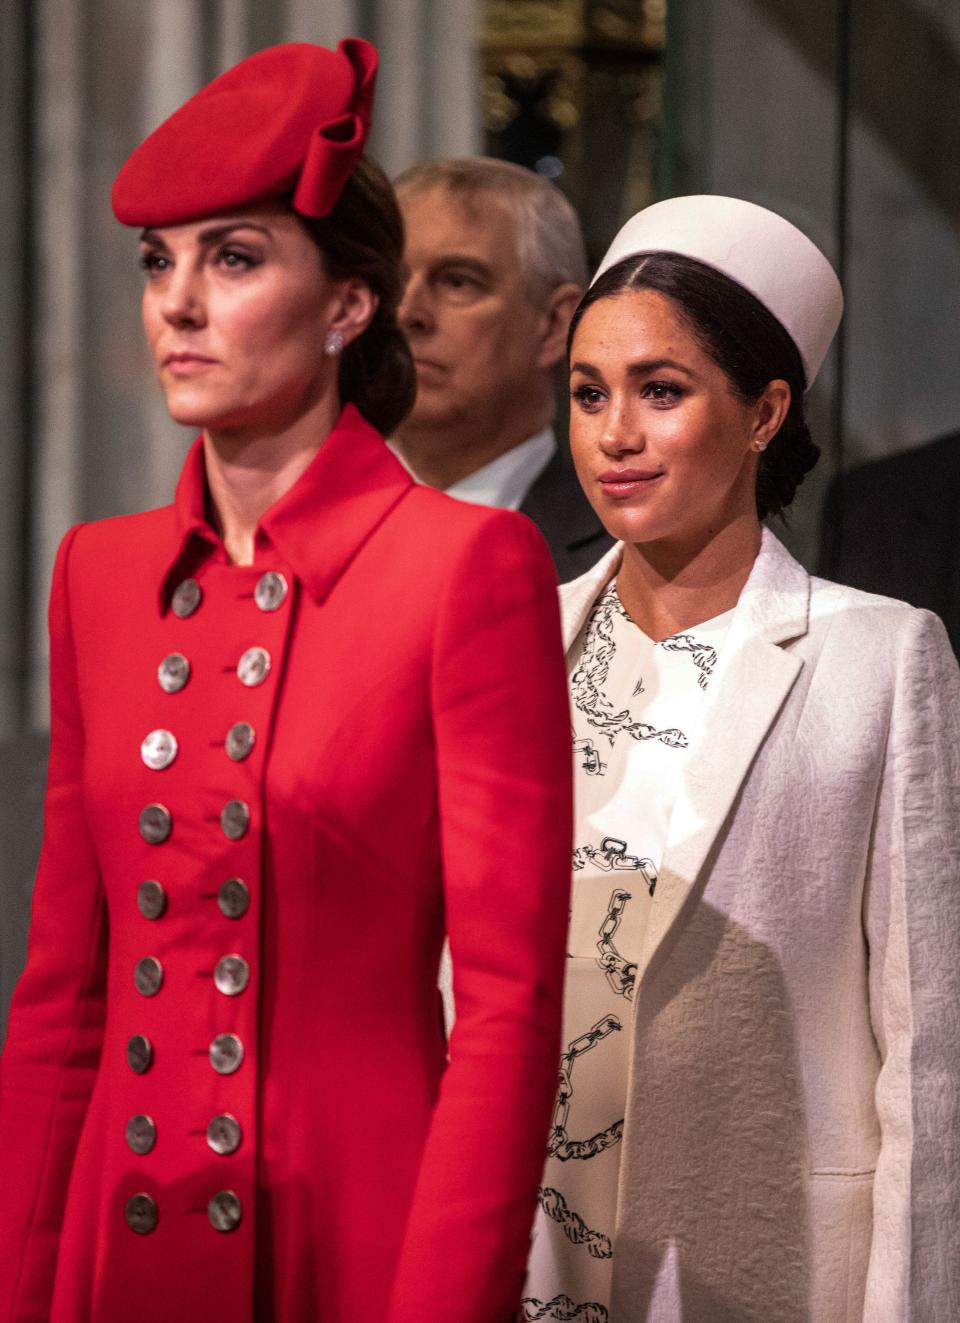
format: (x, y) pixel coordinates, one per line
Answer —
(442, 223)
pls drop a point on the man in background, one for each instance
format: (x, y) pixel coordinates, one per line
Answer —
(893, 527)
(23, 759)
(497, 267)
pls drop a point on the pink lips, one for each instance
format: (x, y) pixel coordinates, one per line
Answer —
(619, 483)
(186, 364)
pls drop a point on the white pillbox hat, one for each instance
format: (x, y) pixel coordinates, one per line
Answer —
(758, 249)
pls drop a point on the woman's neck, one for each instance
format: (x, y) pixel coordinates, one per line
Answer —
(248, 470)
(667, 588)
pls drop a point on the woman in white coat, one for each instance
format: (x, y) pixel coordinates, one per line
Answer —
(759, 1114)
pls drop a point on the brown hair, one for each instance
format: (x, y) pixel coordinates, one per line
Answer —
(363, 237)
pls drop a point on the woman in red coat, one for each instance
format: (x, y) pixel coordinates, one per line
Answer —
(305, 720)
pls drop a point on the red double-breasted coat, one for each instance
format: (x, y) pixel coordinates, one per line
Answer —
(370, 747)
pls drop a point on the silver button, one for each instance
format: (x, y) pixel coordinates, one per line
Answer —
(234, 819)
(224, 1211)
(139, 1054)
(155, 824)
(141, 1214)
(224, 1134)
(253, 667)
(173, 673)
(151, 899)
(231, 975)
(141, 1134)
(226, 1054)
(186, 598)
(240, 740)
(270, 591)
(159, 749)
(148, 976)
(233, 898)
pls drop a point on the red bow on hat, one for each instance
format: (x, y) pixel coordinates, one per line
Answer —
(335, 147)
(289, 121)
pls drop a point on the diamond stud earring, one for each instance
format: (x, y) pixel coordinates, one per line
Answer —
(333, 343)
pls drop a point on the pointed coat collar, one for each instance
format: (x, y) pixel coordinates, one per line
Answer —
(319, 525)
(753, 677)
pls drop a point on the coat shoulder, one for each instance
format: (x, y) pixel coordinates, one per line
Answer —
(853, 620)
(143, 532)
(444, 524)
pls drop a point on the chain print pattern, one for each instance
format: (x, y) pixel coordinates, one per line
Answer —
(704, 657)
(562, 1309)
(574, 1228)
(611, 856)
(589, 757)
(588, 679)
(561, 1146)
(621, 974)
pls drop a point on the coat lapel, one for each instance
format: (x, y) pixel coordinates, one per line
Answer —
(752, 679)
(578, 596)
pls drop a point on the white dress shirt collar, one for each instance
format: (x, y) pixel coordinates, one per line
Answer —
(505, 481)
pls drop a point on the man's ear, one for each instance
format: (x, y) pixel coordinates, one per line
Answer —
(558, 311)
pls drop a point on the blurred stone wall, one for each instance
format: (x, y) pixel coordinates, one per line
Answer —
(845, 116)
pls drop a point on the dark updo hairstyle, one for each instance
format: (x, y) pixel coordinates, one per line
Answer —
(746, 342)
(363, 237)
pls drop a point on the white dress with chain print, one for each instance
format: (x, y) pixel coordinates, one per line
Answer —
(634, 704)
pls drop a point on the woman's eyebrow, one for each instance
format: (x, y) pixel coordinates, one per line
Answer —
(646, 365)
(212, 234)
(640, 368)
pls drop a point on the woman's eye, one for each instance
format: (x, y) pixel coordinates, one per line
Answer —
(662, 392)
(587, 397)
(235, 260)
(154, 263)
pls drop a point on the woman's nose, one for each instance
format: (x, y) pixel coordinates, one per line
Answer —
(182, 303)
(622, 431)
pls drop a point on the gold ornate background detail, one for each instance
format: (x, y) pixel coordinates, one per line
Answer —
(573, 89)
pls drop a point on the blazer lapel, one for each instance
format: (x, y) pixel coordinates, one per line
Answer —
(578, 596)
(752, 679)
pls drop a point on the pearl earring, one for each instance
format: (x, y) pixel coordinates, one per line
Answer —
(760, 445)
(333, 343)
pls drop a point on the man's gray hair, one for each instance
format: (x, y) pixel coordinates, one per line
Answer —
(549, 239)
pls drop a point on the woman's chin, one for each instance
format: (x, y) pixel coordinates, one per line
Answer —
(194, 413)
(632, 525)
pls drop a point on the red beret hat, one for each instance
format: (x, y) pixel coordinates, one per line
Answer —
(289, 121)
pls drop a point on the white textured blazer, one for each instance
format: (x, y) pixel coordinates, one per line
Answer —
(791, 1152)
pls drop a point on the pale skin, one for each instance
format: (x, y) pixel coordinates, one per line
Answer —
(237, 309)
(484, 344)
(667, 455)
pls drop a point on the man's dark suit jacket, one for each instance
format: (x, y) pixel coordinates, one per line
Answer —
(23, 774)
(893, 527)
(558, 507)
